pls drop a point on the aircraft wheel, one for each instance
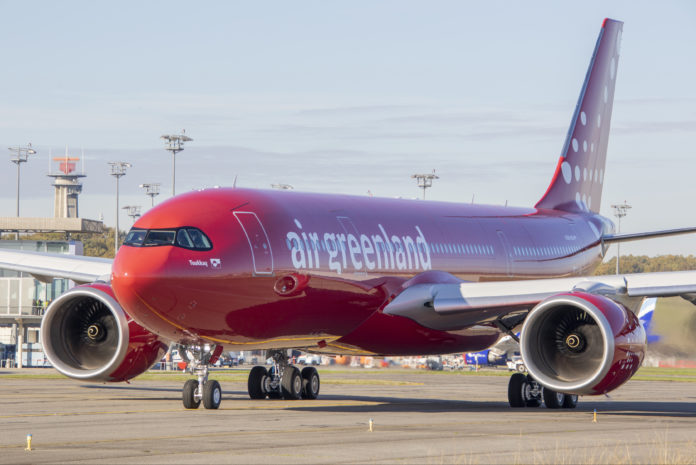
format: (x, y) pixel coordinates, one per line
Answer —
(310, 383)
(189, 394)
(256, 383)
(553, 399)
(515, 386)
(570, 401)
(212, 395)
(291, 383)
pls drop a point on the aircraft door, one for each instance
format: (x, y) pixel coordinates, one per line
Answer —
(261, 253)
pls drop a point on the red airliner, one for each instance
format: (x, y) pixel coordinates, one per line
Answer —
(232, 269)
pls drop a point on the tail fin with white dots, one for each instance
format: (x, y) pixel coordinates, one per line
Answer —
(577, 182)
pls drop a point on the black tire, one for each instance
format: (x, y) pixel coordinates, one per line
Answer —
(310, 383)
(515, 387)
(553, 399)
(570, 401)
(255, 384)
(212, 395)
(188, 394)
(291, 383)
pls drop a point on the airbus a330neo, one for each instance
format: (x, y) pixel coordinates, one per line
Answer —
(242, 269)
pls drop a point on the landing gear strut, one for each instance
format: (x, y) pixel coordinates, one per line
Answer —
(201, 389)
(524, 391)
(283, 380)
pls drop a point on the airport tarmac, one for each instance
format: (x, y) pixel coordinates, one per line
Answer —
(418, 417)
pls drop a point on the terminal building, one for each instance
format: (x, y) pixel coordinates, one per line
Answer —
(24, 298)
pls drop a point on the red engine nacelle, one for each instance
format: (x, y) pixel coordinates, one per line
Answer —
(581, 343)
(87, 335)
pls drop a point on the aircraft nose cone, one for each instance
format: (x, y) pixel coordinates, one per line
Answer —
(137, 277)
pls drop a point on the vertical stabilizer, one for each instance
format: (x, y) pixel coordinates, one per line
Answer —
(577, 182)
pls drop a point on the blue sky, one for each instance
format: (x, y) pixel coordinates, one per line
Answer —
(348, 97)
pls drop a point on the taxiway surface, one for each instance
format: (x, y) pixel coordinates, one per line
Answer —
(418, 417)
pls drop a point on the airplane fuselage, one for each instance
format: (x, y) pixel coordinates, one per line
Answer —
(306, 270)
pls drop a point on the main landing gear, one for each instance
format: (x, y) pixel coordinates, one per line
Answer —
(201, 389)
(524, 391)
(283, 380)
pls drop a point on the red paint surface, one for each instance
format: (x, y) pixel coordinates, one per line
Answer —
(630, 344)
(161, 289)
(144, 348)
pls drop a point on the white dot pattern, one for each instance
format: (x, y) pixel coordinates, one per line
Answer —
(567, 172)
(582, 163)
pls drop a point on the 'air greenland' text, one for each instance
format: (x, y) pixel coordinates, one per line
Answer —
(358, 252)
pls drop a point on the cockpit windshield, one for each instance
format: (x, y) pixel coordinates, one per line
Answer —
(187, 237)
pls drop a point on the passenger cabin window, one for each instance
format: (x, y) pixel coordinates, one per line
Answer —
(186, 237)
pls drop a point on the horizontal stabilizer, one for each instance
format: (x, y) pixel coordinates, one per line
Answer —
(646, 235)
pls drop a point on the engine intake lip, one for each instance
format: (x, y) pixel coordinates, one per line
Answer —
(56, 348)
(534, 361)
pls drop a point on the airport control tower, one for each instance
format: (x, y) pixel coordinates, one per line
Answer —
(67, 187)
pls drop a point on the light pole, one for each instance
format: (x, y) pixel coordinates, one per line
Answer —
(175, 143)
(118, 169)
(20, 155)
(133, 211)
(620, 210)
(152, 190)
(425, 180)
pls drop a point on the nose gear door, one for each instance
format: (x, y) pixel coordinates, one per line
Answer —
(261, 254)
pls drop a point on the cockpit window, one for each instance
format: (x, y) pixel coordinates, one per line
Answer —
(159, 237)
(135, 237)
(192, 238)
(186, 237)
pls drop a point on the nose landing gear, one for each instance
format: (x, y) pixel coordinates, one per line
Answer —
(283, 380)
(201, 389)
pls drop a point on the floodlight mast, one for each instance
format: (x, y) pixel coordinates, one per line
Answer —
(152, 190)
(118, 169)
(133, 211)
(20, 154)
(425, 180)
(174, 144)
(620, 210)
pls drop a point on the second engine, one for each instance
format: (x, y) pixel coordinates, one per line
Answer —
(580, 343)
(87, 335)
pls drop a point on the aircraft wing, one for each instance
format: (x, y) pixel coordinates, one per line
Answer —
(452, 306)
(46, 266)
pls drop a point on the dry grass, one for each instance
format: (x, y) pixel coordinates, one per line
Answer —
(659, 451)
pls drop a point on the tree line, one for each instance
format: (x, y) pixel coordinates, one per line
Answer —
(645, 264)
